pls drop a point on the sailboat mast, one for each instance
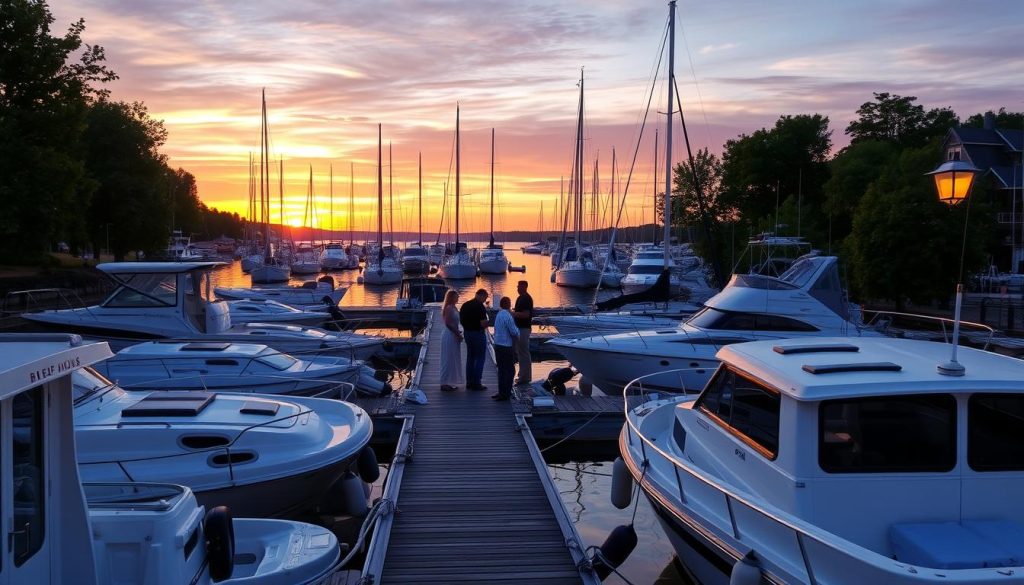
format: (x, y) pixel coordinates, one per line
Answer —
(654, 207)
(380, 198)
(391, 199)
(668, 127)
(351, 201)
(578, 194)
(419, 205)
(263, 167)
(492, 186)
(458, 182)
(331, 195)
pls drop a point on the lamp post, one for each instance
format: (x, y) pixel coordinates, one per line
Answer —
(953, 182)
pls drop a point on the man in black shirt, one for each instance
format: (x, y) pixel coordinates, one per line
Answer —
(523, 314)
(473, 317)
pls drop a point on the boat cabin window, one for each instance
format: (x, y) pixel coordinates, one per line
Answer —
(892, 434)
(745, 408)
(995, 432)
(145, 290)
(28, 467)
(278, 361)
(198, 283)
(709, 318)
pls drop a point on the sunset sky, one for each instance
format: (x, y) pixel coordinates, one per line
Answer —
(333, 70)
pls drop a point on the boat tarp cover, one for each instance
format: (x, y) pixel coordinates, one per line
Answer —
(659, 291)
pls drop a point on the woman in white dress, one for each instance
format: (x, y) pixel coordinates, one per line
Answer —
(452, 372)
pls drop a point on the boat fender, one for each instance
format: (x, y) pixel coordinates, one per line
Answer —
(586, 387)
(219, 529)
(517, 268)
(616, 548)
(552, 276)
(352, 494)
(745, 571)
(366, 464)
(622, 485)
(414, 395)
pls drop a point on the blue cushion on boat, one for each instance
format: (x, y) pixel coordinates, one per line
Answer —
(1007, 535)
(944, 545)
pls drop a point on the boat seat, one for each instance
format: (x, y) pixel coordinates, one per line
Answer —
(952, 545)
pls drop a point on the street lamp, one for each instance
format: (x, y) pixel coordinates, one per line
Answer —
(953, 182)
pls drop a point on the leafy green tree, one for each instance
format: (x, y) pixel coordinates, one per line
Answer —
(853, 169)
(762, 170)
(905, 244)
(133, 182)
(44, 95)
(897, 119)
(1003, 119)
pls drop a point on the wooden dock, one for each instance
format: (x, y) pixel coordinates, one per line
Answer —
(474, 501)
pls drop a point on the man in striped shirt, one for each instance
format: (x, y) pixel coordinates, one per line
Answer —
(505, 336)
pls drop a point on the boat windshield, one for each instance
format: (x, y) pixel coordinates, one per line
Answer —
(145, 290)
(87, 382)
(800, 272)
(278, 361)
(136, 496)
(644, 269)
(709, 318)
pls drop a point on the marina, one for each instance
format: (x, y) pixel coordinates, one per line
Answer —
(748, 332)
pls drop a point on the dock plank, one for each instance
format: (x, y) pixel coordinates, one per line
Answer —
(471, 493)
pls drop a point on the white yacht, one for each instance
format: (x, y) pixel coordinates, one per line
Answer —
(264, 311)
(806, 301)
(458, 262)
(384, 267)
(611, 276)
(536, 248)
(264, 456)
(267, 269)
(237, 367)
(578, 269)
(334, 257)
(639, 317)
(643, 272)
(415, 259)
(306, 260)
(159, 300)
(60, 531)
(492, 260)
(180, 248)
(838, 460)
(308, 294)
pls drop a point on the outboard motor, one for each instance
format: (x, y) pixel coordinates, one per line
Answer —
(556, 380)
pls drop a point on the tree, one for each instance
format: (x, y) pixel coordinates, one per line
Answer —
(762, 170)
(133, 181)
(1002, 118)
(853, 169)
(905, 244)
(898, 120)
(44, 96)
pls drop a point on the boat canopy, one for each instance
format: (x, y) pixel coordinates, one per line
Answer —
(49, 357)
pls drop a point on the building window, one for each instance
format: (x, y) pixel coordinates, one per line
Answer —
(953, 153)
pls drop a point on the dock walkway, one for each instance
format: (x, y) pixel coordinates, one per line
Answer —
(475, 503)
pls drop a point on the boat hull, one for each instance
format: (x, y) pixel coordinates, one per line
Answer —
(611, 371)
(578, 277)
(457, 271)
(268, 274)
(496, 266)
(381, 277)
(305, 268)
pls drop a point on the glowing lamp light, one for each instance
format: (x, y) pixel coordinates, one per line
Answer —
(953, 180)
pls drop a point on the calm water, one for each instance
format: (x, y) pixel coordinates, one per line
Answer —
(583, 480)
(538, 274)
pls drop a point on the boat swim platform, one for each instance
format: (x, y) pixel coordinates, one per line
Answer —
(472, 499)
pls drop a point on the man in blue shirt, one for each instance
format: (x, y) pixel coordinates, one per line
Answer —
(505, 336)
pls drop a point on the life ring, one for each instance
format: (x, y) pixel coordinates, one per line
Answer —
(220, 543)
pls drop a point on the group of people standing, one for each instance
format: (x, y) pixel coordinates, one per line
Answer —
(511, 341)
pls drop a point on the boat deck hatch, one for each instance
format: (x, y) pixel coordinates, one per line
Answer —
(206, 346)
(861, 367)
(814, 348)
(170, 404)
(257, 407)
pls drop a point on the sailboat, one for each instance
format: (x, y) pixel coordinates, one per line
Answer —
(251, 253)
(269, 269)
(576, 267)
(333, 256)
(416, 258)
(457, 264)
(381, 268)
(537, 248)
(492, 259)
(307, 257)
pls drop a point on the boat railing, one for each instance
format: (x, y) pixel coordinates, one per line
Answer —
(40, 299)
(886, 322)
(207, 453)
(333, 388)
(748, 520)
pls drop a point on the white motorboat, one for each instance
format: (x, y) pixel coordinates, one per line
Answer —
(415, 260)
(806, 301)
(257, 311)
(644, 317)
(537, 248)
(161, 300)
(312, 293)
(264, 456)
(60, 531)
(180, 248)
(643, 272)
(334, 257)
(237, 367)
(838, 460)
